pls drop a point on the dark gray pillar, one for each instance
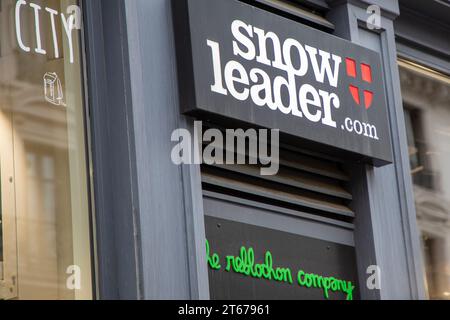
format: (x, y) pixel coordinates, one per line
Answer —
(172, 234)
(386, 222)
(115, 216)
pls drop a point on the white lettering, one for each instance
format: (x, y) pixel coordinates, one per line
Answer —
(53, 13)
(287, 49)
(244, 40)
(349, 125)
(327, 98)
(305, 91)
(281, 92)
(325, 67)
(22, 46)
(217, 66)
(361, 128)
(37, 27)
(68, 27)
(357, 127)
(263, 37)
(265, 87)
(70, 23)
(231, 79)
(370, 131)
(291, 89)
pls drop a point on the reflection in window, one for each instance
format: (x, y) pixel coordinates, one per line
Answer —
(419, 151)
(427, 114)
(1, 231)
(44, 194)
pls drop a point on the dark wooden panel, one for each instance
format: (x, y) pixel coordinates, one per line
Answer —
(285, 195)
(288, 250)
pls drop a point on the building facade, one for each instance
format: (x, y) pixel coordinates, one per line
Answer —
(100, 100)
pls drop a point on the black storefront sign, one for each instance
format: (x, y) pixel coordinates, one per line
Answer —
(251, 262)
(238, 62)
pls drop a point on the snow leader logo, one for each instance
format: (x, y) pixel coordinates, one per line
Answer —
(294, 61)
(366, 75)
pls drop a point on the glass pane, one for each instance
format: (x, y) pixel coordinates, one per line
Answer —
(42, 112)
(427, 112)
(1, 228)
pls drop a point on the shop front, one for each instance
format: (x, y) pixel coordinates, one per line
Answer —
(251, 68)
(223, 149)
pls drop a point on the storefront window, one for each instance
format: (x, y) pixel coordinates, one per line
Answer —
(427, 112)
(44, 236)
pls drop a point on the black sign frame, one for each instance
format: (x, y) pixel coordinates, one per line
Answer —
(197, 21)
